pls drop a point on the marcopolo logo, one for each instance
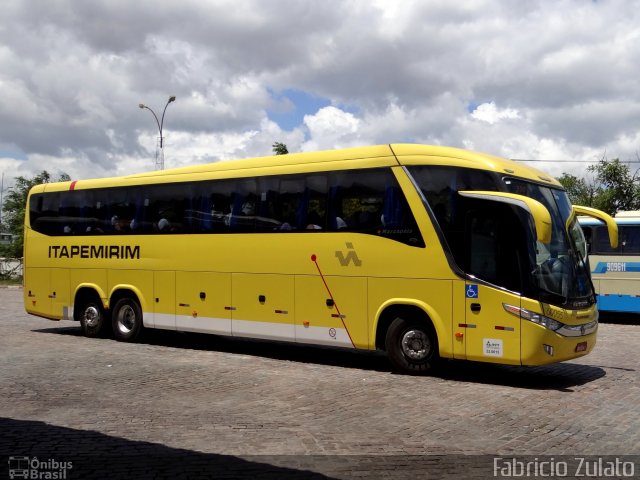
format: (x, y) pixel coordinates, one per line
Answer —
(33, 468)
(349, 257)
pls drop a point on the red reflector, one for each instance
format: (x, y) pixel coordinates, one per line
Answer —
(581, 347)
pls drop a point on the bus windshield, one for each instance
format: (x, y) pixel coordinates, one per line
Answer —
(561, 271)
(476, 231)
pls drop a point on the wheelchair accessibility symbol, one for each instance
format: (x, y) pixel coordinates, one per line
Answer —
(472, 291)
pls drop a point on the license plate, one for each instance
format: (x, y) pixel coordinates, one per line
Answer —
(581, 347)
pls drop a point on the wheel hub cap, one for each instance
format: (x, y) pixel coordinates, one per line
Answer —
(126, 319)
(415, 345)
(91, 316)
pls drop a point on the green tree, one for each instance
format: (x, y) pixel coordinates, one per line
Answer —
(620, 189)
(280, 149)
(580, 191)
(614, 188)
(14, 206)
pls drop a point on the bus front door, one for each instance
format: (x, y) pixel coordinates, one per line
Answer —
(493, 252)
(490, 333)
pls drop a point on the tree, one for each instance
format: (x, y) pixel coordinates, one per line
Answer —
(613, 189)
(280, 149)
(620, 188)
(14, 206)
(579, 190)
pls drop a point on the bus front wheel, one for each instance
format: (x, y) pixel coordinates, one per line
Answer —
(126, 320)
(411, 347)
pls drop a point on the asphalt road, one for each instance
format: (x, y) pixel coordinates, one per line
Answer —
(197, 406)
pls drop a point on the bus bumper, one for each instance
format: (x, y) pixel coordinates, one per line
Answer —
(541, 346)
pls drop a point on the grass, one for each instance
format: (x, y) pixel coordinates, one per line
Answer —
(14, 281)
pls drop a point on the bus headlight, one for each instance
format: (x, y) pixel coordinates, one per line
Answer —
(551, 324)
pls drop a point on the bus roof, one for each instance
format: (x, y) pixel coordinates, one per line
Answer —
(629, 214)
(359, 157)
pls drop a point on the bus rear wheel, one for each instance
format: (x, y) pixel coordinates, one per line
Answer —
(92, 318)
(411, 347)
(126, 319)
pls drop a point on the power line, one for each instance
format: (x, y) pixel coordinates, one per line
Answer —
(568, 161)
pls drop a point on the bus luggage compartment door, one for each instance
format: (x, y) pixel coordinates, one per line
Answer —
(262, 306)
(203, 302)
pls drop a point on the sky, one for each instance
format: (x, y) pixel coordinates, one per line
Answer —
(557, 81)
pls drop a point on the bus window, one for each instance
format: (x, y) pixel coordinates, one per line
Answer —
(631, 239)
(602, 244)
(440, 185)
(490, 226)
(167, 205)
(243, 206)
(357, 200)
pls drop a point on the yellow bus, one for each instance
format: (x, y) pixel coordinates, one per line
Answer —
(424, 252)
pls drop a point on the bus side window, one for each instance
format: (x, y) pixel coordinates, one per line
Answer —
(243, 206)
(168, 207)
(588, 236)
(631, 239)
(356, 201)
(268, 214)
(289, 202)
(601, 242)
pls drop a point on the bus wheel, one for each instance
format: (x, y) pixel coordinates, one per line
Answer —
(126, 320)
(92, 318)
(411, 347)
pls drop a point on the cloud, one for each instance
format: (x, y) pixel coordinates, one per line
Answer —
(548, 80)
(488, 112)
(331, 128)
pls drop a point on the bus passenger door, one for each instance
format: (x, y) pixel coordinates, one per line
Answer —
(164, 300)
(263, 306)
(495, 251)
(203, 302)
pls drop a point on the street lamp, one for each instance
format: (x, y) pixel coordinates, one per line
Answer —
(160, 123)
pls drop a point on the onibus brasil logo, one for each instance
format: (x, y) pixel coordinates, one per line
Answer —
(32, 468)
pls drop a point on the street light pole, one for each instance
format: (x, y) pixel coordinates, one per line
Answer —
(160, 123)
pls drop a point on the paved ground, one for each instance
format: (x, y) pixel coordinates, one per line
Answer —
(194, 405)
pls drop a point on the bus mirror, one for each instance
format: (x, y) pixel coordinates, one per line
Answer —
(600, 215)
(540, 214)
